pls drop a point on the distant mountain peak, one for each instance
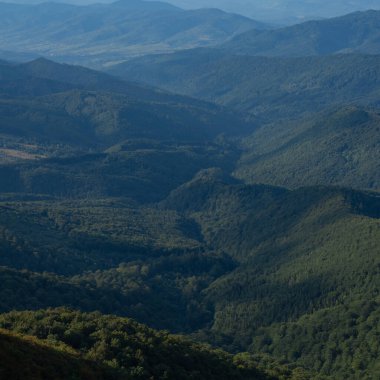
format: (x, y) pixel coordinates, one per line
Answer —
(145, 5)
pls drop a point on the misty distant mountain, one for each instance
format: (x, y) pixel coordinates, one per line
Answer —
(102, 33)
(285, 11)
(358, 32)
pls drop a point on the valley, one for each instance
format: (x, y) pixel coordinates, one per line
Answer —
(188, 204)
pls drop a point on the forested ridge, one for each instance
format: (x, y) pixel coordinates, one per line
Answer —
(276, 273)
(94, 346)
(150, 235)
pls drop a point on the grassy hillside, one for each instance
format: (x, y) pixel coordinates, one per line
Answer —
(355, 33)
(28, 357)
(92, 346)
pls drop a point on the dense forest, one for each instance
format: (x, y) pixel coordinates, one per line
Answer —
(94, 346)
(230, 231)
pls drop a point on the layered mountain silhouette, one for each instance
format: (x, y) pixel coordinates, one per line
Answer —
(266, 87)
(355, 33)
(103, 33)
(212, 192)
(69, 104)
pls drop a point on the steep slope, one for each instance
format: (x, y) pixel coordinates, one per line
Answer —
(92, 346)
(268, 88)
(339, 147)
(300, 252)
(323, 340)
(226, 261)
(29, 358)
(355, 33)
(101, 33)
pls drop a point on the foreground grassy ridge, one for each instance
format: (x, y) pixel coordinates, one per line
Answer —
(26, 357)
(126, 349)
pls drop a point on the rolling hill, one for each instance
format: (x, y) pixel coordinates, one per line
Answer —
(254, 228)
(101, 33)
(286, 11)
(238, 264)
(298, 252)
(92, 346)
(45, 102)
(339, 147)
(269, 89)
(354, 33)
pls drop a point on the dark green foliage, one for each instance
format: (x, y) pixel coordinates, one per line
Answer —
(32, 234)
(145, 173)
(337, 148)
(146, 263)
(132, 350)
(117, 198)
(342, 340)
(300, 252)
(24, 357)
(288, 254)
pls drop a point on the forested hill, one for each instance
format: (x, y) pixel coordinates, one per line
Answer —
(268, 88)
(234, 265)
(55, 103)
(338, 147)
(358, 32)
(243, 212)
(67, 344)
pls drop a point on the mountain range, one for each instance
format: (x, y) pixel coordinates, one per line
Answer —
(354, 33)
(286, 11)
(228, 198)
(102, 33)
(268, 88)
(99, 109)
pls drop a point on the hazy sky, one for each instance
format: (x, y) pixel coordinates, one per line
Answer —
(266, 9)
